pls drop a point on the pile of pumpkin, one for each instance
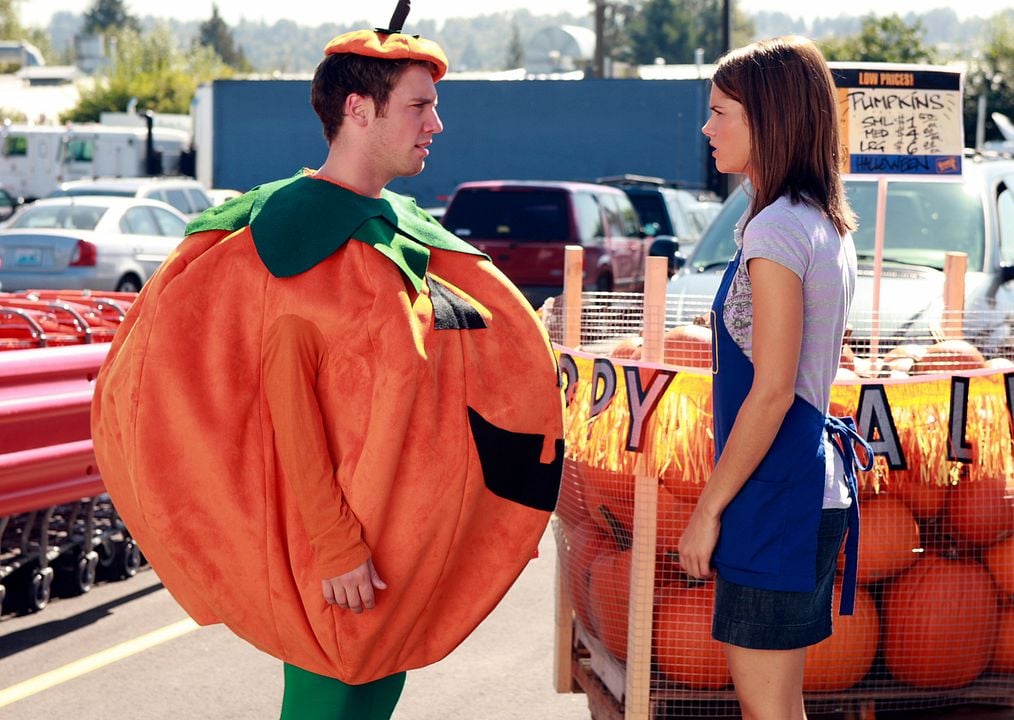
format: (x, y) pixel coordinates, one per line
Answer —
(936, 574)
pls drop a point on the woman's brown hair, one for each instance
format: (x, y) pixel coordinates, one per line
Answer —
(788, 95)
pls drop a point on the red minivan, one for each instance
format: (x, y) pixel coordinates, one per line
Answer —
(524, 225)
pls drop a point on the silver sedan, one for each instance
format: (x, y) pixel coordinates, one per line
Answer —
(93, 243)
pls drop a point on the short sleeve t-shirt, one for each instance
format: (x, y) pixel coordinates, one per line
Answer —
(802, 239)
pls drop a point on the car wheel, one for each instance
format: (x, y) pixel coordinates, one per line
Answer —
(129, 283)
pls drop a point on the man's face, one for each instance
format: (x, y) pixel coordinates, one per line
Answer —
(402, 136)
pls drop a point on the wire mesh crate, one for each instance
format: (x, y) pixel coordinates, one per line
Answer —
(934, 619)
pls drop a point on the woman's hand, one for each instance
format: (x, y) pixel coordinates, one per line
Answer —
(354, 589)
(698, 543)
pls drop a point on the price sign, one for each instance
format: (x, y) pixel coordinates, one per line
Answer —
(900, 119)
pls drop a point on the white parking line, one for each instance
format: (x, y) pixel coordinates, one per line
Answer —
(93, 662)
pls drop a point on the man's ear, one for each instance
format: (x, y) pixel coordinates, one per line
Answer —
(358, 109)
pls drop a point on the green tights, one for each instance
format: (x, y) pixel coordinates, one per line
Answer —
(309, 696)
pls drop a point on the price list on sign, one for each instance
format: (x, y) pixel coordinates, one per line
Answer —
(904, 120)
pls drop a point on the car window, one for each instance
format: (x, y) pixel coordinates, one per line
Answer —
(178, 199)
(59, 216)
(717, 246)
(15, 146)
(168, 224)
(589, 219)
(526, 215)
(78, 150)
(621, 218)
(651, 210)
(80, 190)
(138, 221)
(1005, 217)
(199, 201)
(924, 221)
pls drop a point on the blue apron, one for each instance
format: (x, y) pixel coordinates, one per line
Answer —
(769, 531)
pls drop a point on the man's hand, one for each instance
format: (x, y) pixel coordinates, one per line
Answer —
(354, 590)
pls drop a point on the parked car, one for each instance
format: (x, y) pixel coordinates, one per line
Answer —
(925, 219)
(668, 211)
(95, 243)
(185, 194)
(524, 227)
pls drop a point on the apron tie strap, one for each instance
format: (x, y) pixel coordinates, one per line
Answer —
(844, 436)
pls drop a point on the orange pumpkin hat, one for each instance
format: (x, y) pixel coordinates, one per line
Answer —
(391, 44)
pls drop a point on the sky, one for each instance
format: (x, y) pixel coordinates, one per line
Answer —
(378, 12)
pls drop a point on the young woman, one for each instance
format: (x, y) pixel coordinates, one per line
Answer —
(771, 519)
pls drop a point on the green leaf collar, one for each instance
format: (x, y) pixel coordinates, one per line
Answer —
(298, 222)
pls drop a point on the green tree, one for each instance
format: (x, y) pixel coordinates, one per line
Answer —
(990, 74)
(882, 39)
(662, 29)
(10, 20)
(674, 29)
(515, 50)
(151, 69)
(109, 15)
(215, 34)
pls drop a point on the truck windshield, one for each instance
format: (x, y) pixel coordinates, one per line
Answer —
(520, 214)
(925, 220)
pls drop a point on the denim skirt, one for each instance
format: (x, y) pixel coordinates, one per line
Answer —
(781, 620)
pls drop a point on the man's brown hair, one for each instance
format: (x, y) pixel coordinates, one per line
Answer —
(342, 74)
(788, 94)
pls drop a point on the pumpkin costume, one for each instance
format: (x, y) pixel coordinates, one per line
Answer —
(316, 377)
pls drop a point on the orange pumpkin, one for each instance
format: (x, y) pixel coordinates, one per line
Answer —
(684, 649)
(842, 660)
(609, 496)
(925, 500)
(1003, 660)
(903, 357)
(626, 348)
(609, 596)
(950, 356)
(585, 543)
(1000, 562)
(571, 507)
(688, 346)
(888, 539)
(979, 512)
(940, 623)
(847, 360)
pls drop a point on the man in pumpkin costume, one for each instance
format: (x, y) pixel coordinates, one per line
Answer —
(329, 423)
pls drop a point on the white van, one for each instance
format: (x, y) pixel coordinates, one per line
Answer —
(35, 159)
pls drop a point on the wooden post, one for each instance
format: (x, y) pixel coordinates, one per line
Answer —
(573, 272)
(955, 265)
(564, 642)
(637, 692)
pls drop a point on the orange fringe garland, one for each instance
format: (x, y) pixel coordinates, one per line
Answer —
(680, 444)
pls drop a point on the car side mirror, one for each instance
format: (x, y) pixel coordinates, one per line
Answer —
(8, 204)
(668, 247)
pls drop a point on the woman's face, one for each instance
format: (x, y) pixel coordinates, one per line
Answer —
(728, 133)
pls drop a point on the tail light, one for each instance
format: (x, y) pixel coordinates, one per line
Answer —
(85, 254)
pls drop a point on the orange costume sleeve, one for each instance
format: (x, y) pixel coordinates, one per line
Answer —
(293, 352)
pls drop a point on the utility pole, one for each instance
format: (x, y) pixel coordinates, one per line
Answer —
(726, 25)
(599, 62)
